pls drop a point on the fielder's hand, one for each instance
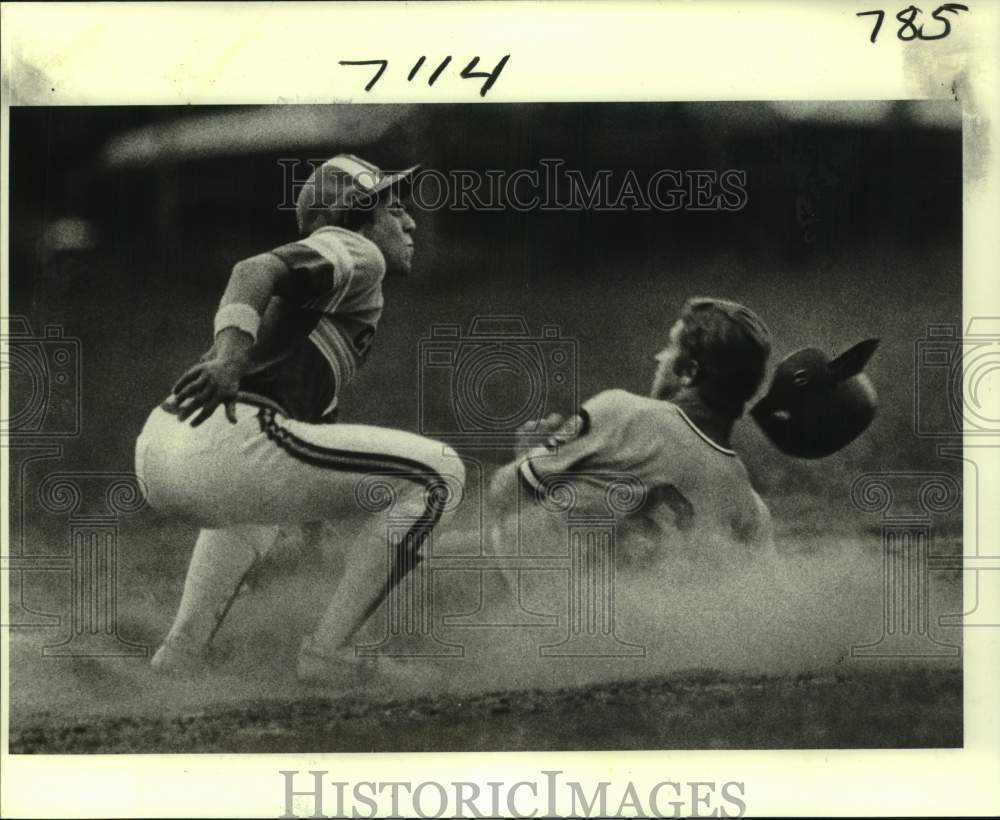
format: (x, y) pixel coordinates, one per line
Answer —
(205, 386)
(531, 433)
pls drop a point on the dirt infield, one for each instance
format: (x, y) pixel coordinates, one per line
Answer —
(729, 662)
(899, 707)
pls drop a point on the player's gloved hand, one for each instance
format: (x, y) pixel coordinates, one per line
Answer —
(204, 387)
(531, 433)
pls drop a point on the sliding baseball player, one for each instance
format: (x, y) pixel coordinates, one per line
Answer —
(675, 442)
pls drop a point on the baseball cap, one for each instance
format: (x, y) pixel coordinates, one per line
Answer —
(741, 315)
(343, 183)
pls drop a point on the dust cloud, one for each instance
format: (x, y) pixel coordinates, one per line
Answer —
(799, 613)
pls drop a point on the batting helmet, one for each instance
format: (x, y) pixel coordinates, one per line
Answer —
(342, 184)
(816, 406)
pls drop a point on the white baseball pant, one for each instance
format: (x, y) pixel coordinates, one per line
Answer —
(239, 482)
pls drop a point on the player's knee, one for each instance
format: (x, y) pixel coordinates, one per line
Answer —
(451, 472)
(439, 484)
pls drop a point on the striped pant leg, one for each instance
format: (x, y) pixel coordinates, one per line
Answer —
(268, 470)
(182, 471)
(401, 481)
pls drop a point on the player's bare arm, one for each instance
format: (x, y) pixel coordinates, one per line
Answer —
(216, 380)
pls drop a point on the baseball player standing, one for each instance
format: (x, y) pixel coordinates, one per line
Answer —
(247, 440)
(676, 441)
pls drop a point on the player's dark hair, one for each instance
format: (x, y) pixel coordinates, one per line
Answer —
(328, 197)
(730, 345)
(356, 218)
(353, 219)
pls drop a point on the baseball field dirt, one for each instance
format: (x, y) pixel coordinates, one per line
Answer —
(733, 661)
(902, 708)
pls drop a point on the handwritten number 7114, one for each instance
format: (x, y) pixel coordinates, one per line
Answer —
(908, 29)
(467, 73)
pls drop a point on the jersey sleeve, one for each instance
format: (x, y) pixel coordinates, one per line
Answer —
(313, 274)
(585, 442)
(328, 266)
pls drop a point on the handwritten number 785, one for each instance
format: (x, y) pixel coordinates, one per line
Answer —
(908, 28)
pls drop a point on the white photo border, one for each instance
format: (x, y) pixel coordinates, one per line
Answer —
(221, 53)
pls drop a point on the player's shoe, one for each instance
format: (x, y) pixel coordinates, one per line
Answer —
(177, 656)
(341, 669)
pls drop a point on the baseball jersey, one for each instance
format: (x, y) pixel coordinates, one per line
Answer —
(319, 327)
(697, 493)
